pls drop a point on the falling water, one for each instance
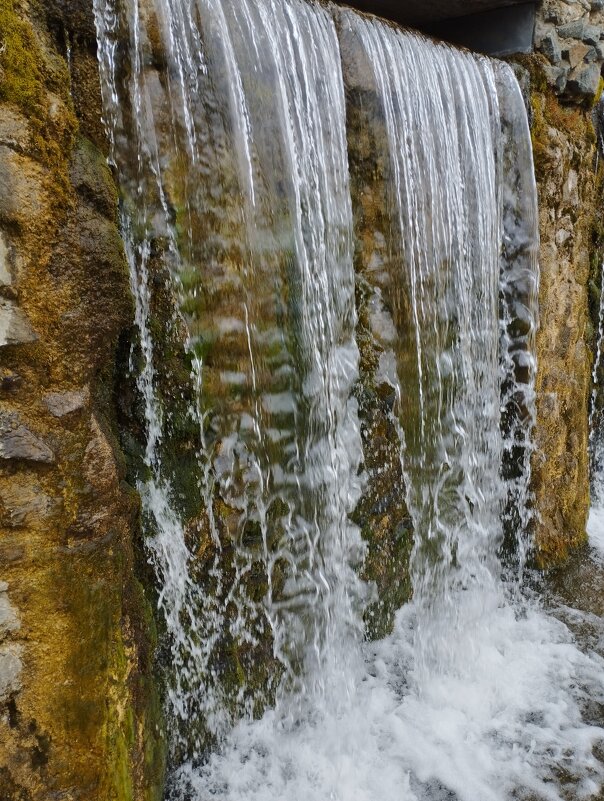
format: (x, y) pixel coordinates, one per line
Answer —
(228, 128)
(253, 149)
(595, 525)
(445, 201)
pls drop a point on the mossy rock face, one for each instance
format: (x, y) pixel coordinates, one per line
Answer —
(83, 708)
(23, 82)
(570, 202)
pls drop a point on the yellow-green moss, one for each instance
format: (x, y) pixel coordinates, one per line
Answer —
(21, 77)
(26, 77)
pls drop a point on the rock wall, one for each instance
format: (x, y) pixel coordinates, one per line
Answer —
(78, 710)
(562, 82)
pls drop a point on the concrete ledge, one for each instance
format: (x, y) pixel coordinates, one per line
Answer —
(493, 27)
(420, 12)
(500, 32)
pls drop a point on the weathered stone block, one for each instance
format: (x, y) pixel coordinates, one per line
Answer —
(15, 328)
(550, 47)
(61, 404)
(575, 53)
(572, 30)
(18, 443)
(583, 82)
(557, 77)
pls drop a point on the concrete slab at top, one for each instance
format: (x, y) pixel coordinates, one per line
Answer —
(422, 12)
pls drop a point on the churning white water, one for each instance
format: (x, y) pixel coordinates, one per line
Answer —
(228, 128)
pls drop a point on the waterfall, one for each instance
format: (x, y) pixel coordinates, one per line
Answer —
(231, 129)
(446, 203)
(253, 150)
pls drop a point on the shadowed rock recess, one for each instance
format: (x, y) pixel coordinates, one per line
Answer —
(83, 658)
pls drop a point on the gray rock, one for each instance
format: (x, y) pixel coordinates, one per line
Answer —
(542, 29)
(583, 82)
(591, 34)
(60, 404)
(572, 30)
(9, 620)
(557, 77)
(11, 667)
(575, 53)
(15, 328)
(14, 130)
(18, 443)
(591, 55)
(550, 47)
(6, 278)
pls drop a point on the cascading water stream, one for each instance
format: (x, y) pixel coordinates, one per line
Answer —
(227, 124)
(282, 447)
(596, 419)
(446, 206)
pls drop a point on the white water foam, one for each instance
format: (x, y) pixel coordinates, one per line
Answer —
(507, 725)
